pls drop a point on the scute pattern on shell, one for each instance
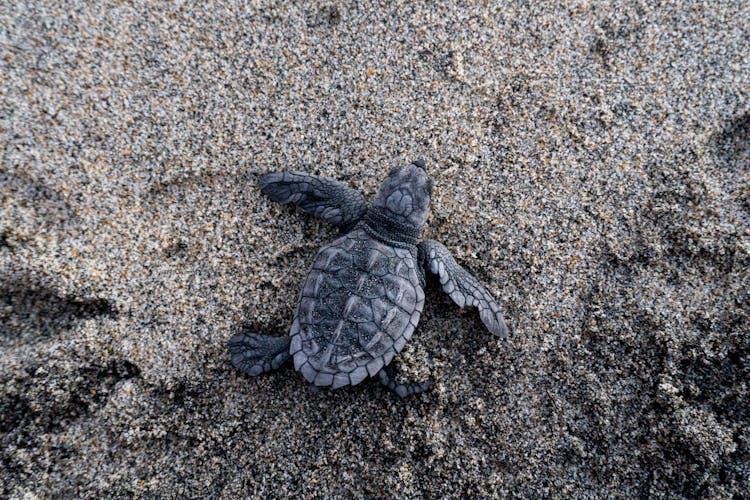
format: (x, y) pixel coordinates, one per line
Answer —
(359, 305)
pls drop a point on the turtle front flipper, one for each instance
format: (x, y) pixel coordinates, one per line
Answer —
(332, 201)
(387, 377)
(254, 354)
(462, 287)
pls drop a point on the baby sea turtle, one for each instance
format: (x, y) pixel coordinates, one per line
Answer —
(364, 293)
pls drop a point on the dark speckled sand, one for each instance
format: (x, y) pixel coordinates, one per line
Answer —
(591, 164)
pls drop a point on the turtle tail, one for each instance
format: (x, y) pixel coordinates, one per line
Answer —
(254, 354)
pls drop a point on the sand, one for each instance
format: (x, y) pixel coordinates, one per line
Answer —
(591, 164)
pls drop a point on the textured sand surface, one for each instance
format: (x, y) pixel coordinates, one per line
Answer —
(591, 163)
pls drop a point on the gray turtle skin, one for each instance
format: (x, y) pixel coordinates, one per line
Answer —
(364, 294)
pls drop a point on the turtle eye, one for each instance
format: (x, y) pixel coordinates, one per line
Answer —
(393, 171)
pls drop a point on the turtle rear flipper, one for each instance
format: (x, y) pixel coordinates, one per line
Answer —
(387, 377)
(332, 201)
(254, 354)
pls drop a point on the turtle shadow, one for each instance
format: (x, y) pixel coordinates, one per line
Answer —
(731, 147)
(460, 328)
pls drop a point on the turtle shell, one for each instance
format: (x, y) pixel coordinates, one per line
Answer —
(358, 306)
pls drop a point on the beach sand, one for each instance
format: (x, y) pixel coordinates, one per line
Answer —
(591, 165)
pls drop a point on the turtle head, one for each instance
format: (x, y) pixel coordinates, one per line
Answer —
(405, 194)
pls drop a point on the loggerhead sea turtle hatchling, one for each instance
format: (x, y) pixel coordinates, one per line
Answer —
(363, 296)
